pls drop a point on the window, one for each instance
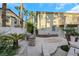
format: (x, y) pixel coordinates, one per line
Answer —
(15, 22)
(40, 16)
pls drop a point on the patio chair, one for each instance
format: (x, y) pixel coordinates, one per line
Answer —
(71, 52)
(74, 49)
(49, 50)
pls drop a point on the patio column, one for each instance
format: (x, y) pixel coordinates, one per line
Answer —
(44, 17)
(78, 23)
(39, 21)
(65, 22)
(51, 23)
(45, 20)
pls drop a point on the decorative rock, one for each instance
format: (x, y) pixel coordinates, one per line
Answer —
(32, 40)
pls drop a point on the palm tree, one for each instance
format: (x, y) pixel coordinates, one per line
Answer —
(15, 37)
(25, 14)
(4, 14)
(36, 16)
(33, 15)
(20, 9)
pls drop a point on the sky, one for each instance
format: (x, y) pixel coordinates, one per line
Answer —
(48, 7)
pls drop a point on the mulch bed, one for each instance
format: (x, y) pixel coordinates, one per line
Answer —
(51, 35)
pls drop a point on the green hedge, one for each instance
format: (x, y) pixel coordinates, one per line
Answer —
(30, 27)
(69, 25)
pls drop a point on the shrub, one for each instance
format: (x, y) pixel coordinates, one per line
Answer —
(70, 31)
(30, 27)
(9, 44)
(9, 51)
(65, 48)
(15, 37)
(6, 46)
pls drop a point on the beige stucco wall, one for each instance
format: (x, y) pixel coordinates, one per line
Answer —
(11, 20)
(44, 20)
(72, 19)
(57, 21)
(69, 18)
(12, 14)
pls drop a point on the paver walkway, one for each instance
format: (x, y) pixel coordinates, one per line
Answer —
(22, 51)
(37, 49)
(26, 50)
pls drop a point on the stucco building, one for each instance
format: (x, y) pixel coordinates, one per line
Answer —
(11, 19)
(55, 19)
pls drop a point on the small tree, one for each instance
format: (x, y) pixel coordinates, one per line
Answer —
(30, 27)
(22, 11)
(15, 37)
